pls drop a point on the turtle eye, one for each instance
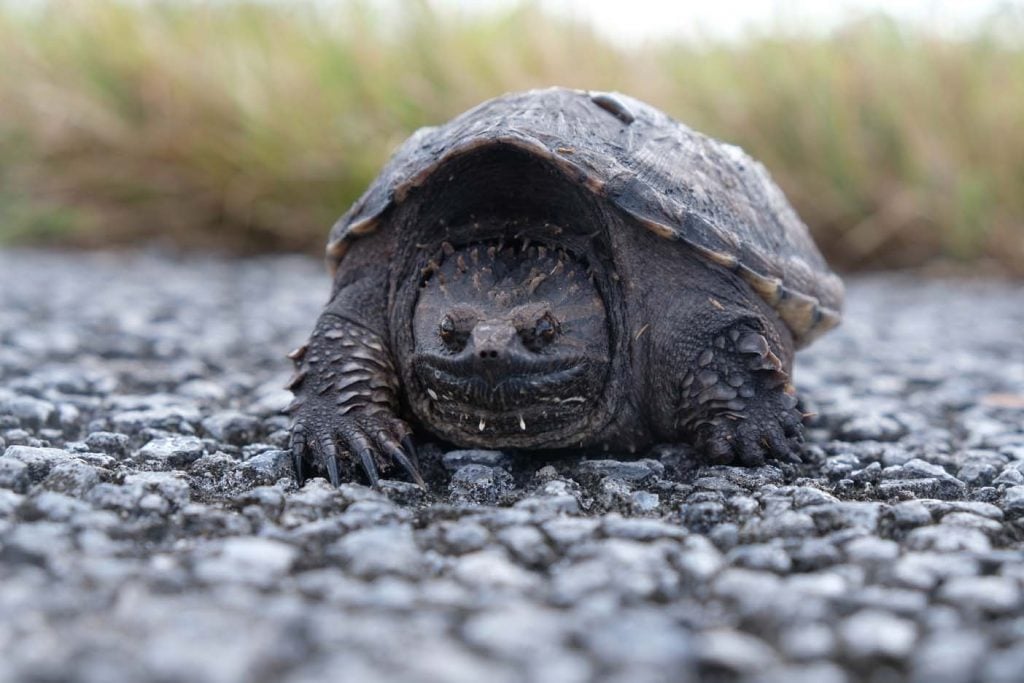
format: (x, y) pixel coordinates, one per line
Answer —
(546, 328)
(541, 334)
(447, 328)
(453, 337)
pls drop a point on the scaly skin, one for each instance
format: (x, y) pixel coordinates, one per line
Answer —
(346, 392)
(737, 404)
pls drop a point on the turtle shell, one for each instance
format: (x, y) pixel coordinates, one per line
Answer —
(678, 183)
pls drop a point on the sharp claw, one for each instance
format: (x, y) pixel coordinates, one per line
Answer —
(298, 465)
(364, 438)
(409, 446)
(330, 455)
(402, 459)
(298, 462)
(332, 471)
(358, 443)
(371, 469)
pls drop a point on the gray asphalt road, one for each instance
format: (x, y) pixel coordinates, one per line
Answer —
(150, 529)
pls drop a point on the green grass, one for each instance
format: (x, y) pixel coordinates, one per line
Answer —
(252, 126)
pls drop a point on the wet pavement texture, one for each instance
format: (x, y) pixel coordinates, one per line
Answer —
(150, 528)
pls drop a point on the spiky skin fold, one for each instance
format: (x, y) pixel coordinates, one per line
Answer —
(693, 353)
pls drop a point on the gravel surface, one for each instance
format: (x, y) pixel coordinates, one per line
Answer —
(150, 529)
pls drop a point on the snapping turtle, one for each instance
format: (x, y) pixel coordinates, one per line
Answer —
(559, 269)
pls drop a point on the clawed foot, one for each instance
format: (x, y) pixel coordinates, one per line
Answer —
(769, 429)
(377, 442)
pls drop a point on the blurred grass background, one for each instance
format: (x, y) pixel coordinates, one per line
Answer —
(253, 125)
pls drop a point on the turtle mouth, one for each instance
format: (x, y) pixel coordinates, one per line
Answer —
(515, 383)
(515, 396)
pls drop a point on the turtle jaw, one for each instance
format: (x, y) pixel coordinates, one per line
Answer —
(514, 404)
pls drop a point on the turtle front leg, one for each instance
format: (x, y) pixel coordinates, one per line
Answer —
(736, 401)
(346, 395)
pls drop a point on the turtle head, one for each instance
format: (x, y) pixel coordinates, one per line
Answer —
(511, 345)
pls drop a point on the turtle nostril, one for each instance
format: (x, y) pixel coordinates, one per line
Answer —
(488, 354)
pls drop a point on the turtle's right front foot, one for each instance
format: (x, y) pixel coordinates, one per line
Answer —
(324, 441)
(343, 415)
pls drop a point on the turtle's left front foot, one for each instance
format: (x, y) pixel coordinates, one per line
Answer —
(770, 427)
(742, 408)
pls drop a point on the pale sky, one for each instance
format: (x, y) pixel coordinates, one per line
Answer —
(633, 21)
